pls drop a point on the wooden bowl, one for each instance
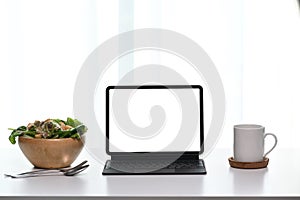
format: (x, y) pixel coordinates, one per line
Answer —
(50, 153)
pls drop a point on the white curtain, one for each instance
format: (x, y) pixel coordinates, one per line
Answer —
(254, 45)
(271, 67)
(42, 47)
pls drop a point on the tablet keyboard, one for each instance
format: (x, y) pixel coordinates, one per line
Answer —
(154, 164)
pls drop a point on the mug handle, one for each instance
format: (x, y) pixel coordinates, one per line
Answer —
(274, 143)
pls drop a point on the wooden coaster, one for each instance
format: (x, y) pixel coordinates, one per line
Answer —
(248, 165)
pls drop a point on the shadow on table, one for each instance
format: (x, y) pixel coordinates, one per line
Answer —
(155, 184)
(248, 181)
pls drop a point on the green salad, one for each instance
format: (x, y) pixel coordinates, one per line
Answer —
(50, 129)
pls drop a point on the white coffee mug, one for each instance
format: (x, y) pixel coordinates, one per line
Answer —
(249, 142)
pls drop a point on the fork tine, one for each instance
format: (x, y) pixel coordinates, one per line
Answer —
(78, 170)
(76, 167)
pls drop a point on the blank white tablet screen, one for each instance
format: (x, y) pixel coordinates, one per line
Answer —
(138, 107)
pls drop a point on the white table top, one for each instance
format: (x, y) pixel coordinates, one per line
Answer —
(281, 178)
